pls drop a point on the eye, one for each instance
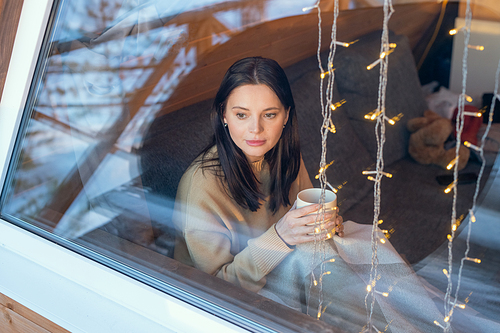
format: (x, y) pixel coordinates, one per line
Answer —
(240, 115)
(270, 115)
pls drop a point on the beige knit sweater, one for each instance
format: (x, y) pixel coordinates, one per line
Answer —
(218, 236)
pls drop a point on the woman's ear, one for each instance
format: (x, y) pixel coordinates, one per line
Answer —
(286, 118)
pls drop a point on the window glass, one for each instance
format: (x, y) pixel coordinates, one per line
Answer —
(120, 108)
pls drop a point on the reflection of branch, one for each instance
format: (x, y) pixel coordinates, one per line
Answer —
(63, 127)
(193, 17)
(76, 179)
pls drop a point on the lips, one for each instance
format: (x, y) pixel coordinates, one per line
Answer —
(255, 143)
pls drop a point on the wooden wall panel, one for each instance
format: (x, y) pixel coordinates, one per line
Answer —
(10, 12)
(16, 318)
(488, 10)
(292, 39)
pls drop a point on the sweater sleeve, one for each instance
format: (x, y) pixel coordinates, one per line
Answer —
(210, 252)
(209, 239)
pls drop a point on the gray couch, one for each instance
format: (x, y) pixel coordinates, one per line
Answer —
(414, 207)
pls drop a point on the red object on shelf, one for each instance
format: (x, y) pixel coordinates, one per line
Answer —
(471, 124)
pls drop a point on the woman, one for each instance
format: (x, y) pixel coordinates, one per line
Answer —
(233, 206)
(235, 220)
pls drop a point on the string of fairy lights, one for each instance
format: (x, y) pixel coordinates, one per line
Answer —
(379, 116)
(450, 304)
(327, 127)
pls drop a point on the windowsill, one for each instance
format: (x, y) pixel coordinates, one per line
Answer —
(69, 289)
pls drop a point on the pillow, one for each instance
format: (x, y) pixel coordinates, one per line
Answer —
(351, 158)
(359, 87)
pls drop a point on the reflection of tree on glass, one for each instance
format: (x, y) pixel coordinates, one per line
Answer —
(234, 201)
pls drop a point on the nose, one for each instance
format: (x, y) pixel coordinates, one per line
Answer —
(256, 126)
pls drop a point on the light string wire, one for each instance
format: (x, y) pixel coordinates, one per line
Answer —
(313, 280)
(448, 308)
(326, 111)
(478, 184)
(380, 138)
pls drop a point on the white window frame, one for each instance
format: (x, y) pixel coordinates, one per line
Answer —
(69, 289)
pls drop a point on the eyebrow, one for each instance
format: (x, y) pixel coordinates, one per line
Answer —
(245, 109)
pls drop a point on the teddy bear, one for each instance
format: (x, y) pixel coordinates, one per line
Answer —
(427, 141)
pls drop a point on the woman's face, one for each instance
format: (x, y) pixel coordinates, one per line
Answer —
(255, 118)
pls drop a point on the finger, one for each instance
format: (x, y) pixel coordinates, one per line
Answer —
(314, 219)
(306, 210)
(322, 228)
(339, 220)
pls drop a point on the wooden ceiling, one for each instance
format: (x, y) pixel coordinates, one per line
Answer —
(290, 40)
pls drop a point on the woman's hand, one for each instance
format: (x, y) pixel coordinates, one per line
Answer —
(297, 226)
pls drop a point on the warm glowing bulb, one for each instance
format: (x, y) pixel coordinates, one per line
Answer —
(454, 227)
(385, 294)
(472, 217)
(449, 237)
(382, 241)
(446, 319)
(468, 98)
(438, 324)
(322, 75)
(461, 306)
(470, 145)
(452, 163)
(473, 114)
(373, 64)
(453, 32)
(305, 9)
(337, 105)
(368, 288)
(380, 221)
(476, 260)
(476, 47)
(445, 271)
(391, 121)
(450, 187)
(315, 283)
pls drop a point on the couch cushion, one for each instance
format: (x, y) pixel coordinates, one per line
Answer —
(415, 208)
(172, 142)
(351, 158)
(359, 87)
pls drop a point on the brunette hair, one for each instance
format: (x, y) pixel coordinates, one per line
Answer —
(283, 159)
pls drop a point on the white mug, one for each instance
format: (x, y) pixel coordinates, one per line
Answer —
(312, 196)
